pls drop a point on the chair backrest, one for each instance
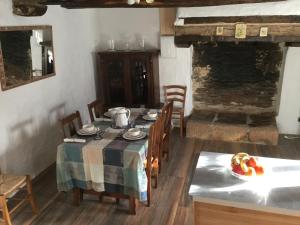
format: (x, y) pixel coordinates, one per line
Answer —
(167, 111)
(72, 122)
(155, 140)
(96, 109)
(175, 93)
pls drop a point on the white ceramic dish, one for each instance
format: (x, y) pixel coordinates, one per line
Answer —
(152, 114)
(146, 117)
(134, 138)
(134, 132)
(89, 128)
(85, 133)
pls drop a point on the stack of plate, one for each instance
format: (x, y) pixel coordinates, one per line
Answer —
(88, 129)
(134, 134)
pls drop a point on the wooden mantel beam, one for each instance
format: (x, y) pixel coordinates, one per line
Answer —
(277, 29)
(156, 4)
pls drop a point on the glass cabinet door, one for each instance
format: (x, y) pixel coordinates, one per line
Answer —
(115, 81)
(139, 81)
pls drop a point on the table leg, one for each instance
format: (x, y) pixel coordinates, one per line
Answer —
(76, 196)
(132, 205)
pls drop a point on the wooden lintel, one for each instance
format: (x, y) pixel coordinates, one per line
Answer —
(276, 32)
(156, 4)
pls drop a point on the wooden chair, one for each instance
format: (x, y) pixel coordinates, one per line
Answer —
(9, 184)
(70, 123)
(153, 155)
(167, 111)
(96, 109)
(177, 94)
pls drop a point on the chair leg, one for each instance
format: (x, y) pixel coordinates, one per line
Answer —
(30, 195)
(149, 190)
(132, 205)
(5, 212)
(156, 181)
(181, 124)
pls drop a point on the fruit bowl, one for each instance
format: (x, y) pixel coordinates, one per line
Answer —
(245, 167)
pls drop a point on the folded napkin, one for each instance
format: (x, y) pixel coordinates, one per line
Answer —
(75, 140)
(103, 119)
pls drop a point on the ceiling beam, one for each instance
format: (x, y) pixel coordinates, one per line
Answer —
(156, 4)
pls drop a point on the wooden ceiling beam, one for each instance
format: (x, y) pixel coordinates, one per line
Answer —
(156, 4)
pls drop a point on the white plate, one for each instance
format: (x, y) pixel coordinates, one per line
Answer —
(134, 138)
(85, 133)
(146, 117)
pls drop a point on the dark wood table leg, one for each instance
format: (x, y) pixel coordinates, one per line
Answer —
(132, 205)
(76, 196)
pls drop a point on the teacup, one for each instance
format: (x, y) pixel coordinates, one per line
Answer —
(152, 114)
(134, 131)
(89, 127)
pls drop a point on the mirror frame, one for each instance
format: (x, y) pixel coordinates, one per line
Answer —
(2, 71)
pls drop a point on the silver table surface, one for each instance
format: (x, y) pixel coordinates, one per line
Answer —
(278, 190)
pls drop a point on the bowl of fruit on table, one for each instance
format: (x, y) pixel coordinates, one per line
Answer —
(245, 166)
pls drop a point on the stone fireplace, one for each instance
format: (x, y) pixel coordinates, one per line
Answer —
(236, 91)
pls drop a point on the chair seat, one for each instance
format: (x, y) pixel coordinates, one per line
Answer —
(9, 183)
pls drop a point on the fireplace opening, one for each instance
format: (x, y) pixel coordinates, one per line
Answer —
(236, 90)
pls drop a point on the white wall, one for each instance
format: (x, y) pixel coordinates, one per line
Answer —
(128, 25)
(29, 132)
(289, 110)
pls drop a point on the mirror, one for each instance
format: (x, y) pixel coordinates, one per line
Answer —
(26, 55)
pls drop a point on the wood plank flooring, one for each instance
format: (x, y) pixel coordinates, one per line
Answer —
(171, 204)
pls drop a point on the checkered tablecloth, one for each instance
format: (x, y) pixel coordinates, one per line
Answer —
(111, 164)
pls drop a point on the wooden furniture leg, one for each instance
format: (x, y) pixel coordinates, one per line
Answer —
(76, 196)
(5, 212)
(132, 205)
(181, 124)
(30, 195)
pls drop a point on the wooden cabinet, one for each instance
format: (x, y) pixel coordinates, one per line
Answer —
(128, 78)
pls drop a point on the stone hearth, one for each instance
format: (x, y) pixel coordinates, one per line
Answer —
(233, 127)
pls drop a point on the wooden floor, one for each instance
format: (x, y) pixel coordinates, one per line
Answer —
(170, 202)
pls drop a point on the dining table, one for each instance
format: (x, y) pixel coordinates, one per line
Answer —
(109, 164)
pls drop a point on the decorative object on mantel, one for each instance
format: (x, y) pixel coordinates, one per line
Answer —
(26, 55)
(131, 2)
(29, 8)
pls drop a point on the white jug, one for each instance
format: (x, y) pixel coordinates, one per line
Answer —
(121, 117)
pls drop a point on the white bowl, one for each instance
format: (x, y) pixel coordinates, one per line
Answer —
(134, 131)
(152, 114)
(89, 127)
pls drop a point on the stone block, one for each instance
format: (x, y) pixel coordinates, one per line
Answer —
(264, 134)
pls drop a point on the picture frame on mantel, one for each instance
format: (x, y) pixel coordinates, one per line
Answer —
(26, 55)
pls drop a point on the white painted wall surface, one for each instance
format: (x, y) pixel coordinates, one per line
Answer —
(29, 131)
(175, 67)
(289, 110)
(289, 7)
(128, 25)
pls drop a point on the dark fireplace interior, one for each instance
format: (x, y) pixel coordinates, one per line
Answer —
(237, 84)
